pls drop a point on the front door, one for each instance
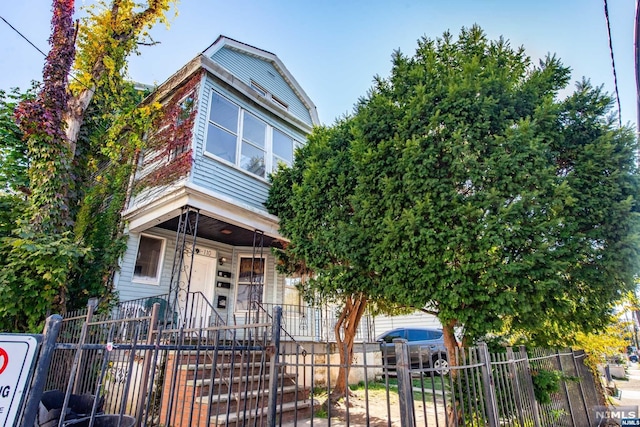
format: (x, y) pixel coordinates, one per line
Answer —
(198, 303)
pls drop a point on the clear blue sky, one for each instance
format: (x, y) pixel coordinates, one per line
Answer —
(334, 48)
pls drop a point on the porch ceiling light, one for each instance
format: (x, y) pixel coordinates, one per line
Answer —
(225, 231)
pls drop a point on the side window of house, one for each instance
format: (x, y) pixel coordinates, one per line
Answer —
(251, 276)
(186, 107)
(243, 139)
(282, 150)
(149, 260)
(291, 292)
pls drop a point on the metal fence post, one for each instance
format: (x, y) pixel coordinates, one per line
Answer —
(529, 387)
(274, 350)
(513, 372)
(580, 380)
(488, 386)
(405, 389)
(146, 369)
(566, 389)
(90, 309)
(50, 335)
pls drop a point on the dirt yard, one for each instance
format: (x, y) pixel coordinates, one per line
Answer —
(376, 408)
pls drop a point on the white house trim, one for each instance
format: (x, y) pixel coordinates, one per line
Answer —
(223, 41)
(210, 203)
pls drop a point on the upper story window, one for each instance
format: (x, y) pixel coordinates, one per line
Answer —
(282, 149)
(243, 139)
(268, 95)
(186, 107)
(280, 103)
(262, 91)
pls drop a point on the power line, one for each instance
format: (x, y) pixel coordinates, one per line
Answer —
(637, 65)
(69, 74)
(101, 126)
(613, 62)
(23, 36)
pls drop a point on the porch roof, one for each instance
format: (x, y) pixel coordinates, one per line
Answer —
(224, 232)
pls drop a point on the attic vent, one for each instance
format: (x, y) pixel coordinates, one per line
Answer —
(279, 102)
(262, 91)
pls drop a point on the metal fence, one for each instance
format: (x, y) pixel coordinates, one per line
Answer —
(134, 371)
(193, 310)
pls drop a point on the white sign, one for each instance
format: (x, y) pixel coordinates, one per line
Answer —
(17, 353)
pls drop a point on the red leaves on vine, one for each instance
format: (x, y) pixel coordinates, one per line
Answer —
(42, 122)
(170, 145)
(44, 115)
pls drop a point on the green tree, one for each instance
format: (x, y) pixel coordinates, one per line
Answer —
(14, 182)
(468, 188)
(82, 138)
(13, 149)
(311, 200)
(489, 200)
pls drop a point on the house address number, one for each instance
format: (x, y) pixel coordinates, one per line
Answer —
(206, 252)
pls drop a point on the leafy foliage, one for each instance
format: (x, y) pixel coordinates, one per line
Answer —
(168, 148)
(42, 122)
(13, 149)
(83, 138)
(14, 181)
(40, 263)
(464, 185)
(480, 193)
(547, 382)
(311, 201)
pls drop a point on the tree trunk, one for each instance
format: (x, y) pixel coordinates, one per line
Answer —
(450, 342)
(345, 332)
(451, 345)
(74, 116)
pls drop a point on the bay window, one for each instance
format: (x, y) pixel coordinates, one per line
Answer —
(243, 139)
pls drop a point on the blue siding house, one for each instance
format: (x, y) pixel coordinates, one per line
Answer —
(199, 236)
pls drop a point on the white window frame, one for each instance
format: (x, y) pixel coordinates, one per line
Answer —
(267, 136)
(269, 164)
(259, 89)
(161, 255)
(276, 158)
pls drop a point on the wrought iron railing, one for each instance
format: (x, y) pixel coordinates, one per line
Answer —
(194, 311)
(304, 322)
(299, 322)
(163, 377)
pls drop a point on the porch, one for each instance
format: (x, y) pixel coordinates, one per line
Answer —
(300, 323)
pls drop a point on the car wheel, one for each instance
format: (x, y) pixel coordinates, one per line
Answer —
(440, 364)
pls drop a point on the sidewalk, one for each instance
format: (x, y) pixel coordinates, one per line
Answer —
(630, 390)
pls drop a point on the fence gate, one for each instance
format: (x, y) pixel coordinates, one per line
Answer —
(126, 372)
